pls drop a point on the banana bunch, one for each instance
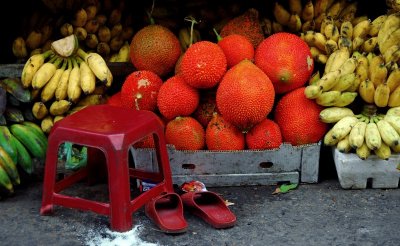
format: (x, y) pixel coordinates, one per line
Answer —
(299, 16)
(366, 133)
(20, 144)
(388, 38)
(338, 84)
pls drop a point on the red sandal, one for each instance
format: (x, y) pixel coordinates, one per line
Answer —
(166, 211)
(210, 207)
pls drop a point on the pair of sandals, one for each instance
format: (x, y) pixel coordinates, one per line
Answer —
(166, 210)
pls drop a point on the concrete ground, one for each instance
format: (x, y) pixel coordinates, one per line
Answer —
(312, 214)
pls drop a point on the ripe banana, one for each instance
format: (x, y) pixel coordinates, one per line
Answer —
(328, 98)
(312, 91)
(393, 80)
(295, 6)
(392, 54)
(39, 110)
(388, 134)
(59, 107)
(46, 124)
(294, 23)
(330, 46)
(343, 127)
(344, 82)
(394, 98)
(334, 114)
(370, 45)
(320, 6)
(9, 166)
(98, 65)
(394, 121)
(357, 134)
(376, 25)
(345, 99)
(19, 48)
(391, 24)
(87, 78)
(361, 30)
(329, 79)
(393, 111)
(307, 14)
(381, 95)
(372, 136)
(49, 89)
(339, 57)
(383, 152)
(281, 15)
(31, 66)
(329, 140)
(62, 87)
(363, 152)
(123, 53)
(348, 66)
(344, 145)
(93, 99)
(74, 90)
(346, 29)
(30, 140)
(331, 31)
(45, 72)
(367, 91)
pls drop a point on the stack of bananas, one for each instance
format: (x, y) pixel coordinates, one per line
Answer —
(365, 133)
(22, 142)
(60, 82)
(98, 29)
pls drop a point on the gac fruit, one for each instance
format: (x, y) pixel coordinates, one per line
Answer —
(185, 133)
(236, 48)
(222, 135)
(264, 135)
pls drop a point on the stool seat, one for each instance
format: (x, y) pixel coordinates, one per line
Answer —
(112, 130)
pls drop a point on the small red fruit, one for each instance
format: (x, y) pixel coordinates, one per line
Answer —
(222, 135)
(140, 89)
(236, 48)
(185, 133)
(264, 135)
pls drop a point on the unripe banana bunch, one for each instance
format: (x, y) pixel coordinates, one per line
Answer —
(297, 17)
(364, 134)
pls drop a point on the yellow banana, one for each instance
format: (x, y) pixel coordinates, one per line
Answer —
(308, 26)
(59, 107)
(329, 140)
(294, 24)
(74, 89)
(328, 98)
(348, 13)
(98, 65)
(46, 124)
(392, 54)
(61, 90)
(330, 46)
(19, 48)
(357, 134)
(344, 82)
(367, 91)
(381, 95)
(377, 71)
(334, 114)
(328, 80)
(93, 99)
(391, 24)
(357, 43)
(345, 42)
(393, 79)
(348, 66)
(393, 120)
(370, 45)
(361, 30)
(363, 152)
(346, 29)
(49, 89)
(307, 13)
(388, 134)
(34, 40)
(39, 110)
(45, 72)
(312, 91)
(340, 56)
(372, 136)
(320, 7)
(32, 66)
(376, 24)
(331, 31)
(281, 15)
(344, 145)
(392, 39)
(345, 99)
(87, 78)
(343, 127)
(79, 18)
(393, 111)
(123, 53)
(394, 98)
(383, 152)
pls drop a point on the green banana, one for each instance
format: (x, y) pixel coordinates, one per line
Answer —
(30, 140)
(9, 166)
(37, 130)
(7, 144)
(15, 88)
(24, 158)
(14, 114)
(5, 181)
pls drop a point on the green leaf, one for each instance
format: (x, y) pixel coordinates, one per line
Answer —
(284, 188)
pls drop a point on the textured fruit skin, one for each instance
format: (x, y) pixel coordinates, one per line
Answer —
(247, 25)
(286, 59)
(206, 108)
(146, 142)
(140, 89)
(298, 118)
(115, 100)
(222, 135)
(177, 98)
(155, 48)
(245, 96)
(203, 65)
(236, 48)
(185, 133)
(264, 135)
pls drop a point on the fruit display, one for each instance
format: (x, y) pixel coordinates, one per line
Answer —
(221, 76)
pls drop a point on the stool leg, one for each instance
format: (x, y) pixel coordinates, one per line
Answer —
(119, 190)
(163, 160)
(49, 177)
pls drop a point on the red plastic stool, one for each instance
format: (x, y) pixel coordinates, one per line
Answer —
(113, 130)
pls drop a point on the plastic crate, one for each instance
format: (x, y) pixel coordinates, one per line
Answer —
(238, 168)
(355, 173)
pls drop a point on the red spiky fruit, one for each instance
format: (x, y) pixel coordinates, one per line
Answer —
(248, 25)
(286, 59)
(264, 135)
(155, 48)
(146, 142)
(177, 98)
(236, 48)
(222, 135)
(203, 65)
(185, 133)
(245, 96)
(140, 89)
(207, 106)
(298, 118)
